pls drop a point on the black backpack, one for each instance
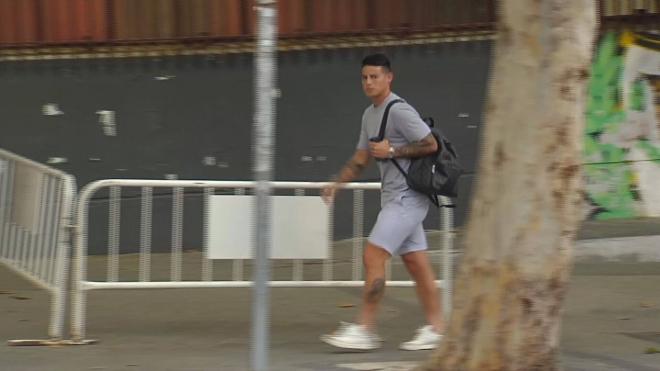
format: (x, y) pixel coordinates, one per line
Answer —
(434, 174)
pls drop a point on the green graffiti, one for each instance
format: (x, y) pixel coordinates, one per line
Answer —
(611, 181)
(604, 111)
(614, 199)
(639, 98)
(652, 151)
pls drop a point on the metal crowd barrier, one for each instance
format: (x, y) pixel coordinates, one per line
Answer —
(140, 266)
(35, 215)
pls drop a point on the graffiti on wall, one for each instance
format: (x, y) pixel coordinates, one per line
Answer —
(622, 140)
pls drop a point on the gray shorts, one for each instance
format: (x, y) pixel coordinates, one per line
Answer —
(399, 228)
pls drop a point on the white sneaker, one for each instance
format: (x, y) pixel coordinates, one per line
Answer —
(425, 338)
(352, 336)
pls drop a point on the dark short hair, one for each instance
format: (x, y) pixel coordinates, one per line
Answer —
(379, 60)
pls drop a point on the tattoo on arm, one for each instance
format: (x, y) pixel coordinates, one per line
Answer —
(417, 149)
(376, 290)
(350, 171)
(355, 167)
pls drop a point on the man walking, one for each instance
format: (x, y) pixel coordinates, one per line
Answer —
(398, 229)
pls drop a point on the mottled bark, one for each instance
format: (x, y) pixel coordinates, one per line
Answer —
(527, 204)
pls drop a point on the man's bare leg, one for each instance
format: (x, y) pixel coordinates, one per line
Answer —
(374, 260)
(418, 265)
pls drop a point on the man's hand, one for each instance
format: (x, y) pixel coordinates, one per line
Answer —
(380, 150)
(350, 171)
(328, 193)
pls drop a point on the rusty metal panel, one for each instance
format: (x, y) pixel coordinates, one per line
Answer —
(26, 21)
(134, 22)
(248, 17)
(472, 14)
(292, 16)
(165, 14)
(64, 21)
(151, 19)
(625, 7)
(89, 20)
(374, 15)
(80, 20)
(321, 16)
(380, 11)
(192, 18)
(98, 28)
(7, 22)
(342, 17)
(441, 13)
(145, 15)
(417, 14)
(200, 17)
(225, 18)
(57, 17)
(358, 15)
(391, 14)
(120, 21)
(183, 18)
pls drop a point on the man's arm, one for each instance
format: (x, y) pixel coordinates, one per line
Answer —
(425, 146)
(354, 167)
(420, 148)
(349, 172)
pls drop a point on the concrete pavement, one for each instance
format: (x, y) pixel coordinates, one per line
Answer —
(611, 319)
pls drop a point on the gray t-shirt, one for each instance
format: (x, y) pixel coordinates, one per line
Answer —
(404, 125)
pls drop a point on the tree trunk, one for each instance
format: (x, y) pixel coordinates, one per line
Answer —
(528, 200)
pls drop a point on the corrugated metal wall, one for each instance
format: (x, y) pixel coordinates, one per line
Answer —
(29, 22)
(628, 7)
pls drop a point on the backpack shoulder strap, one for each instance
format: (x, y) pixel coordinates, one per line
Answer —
(383, 125)
(383, 122)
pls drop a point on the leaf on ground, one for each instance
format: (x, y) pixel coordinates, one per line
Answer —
(652, 350)
(346, 305)
(646, 304)
(4, 292)
(19, 297)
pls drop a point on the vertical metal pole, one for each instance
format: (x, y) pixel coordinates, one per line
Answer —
(447, 220)
(20, 248)
(6, 204)
(78, 293)
(298, 263)
(207, 264)
(263, 147)
(146, 215)
(237, 264)
(39, 269)
(54, 237)
(177, 234)
(48, 231)
(61, 280)
(114, 219)
(12, 243)
(358, 233)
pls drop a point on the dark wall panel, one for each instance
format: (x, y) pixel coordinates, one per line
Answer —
(192, 116)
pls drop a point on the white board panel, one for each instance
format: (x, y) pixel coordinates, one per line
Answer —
(300, 227)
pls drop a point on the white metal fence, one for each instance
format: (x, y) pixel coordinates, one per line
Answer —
(141, 266)
(35, 214)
